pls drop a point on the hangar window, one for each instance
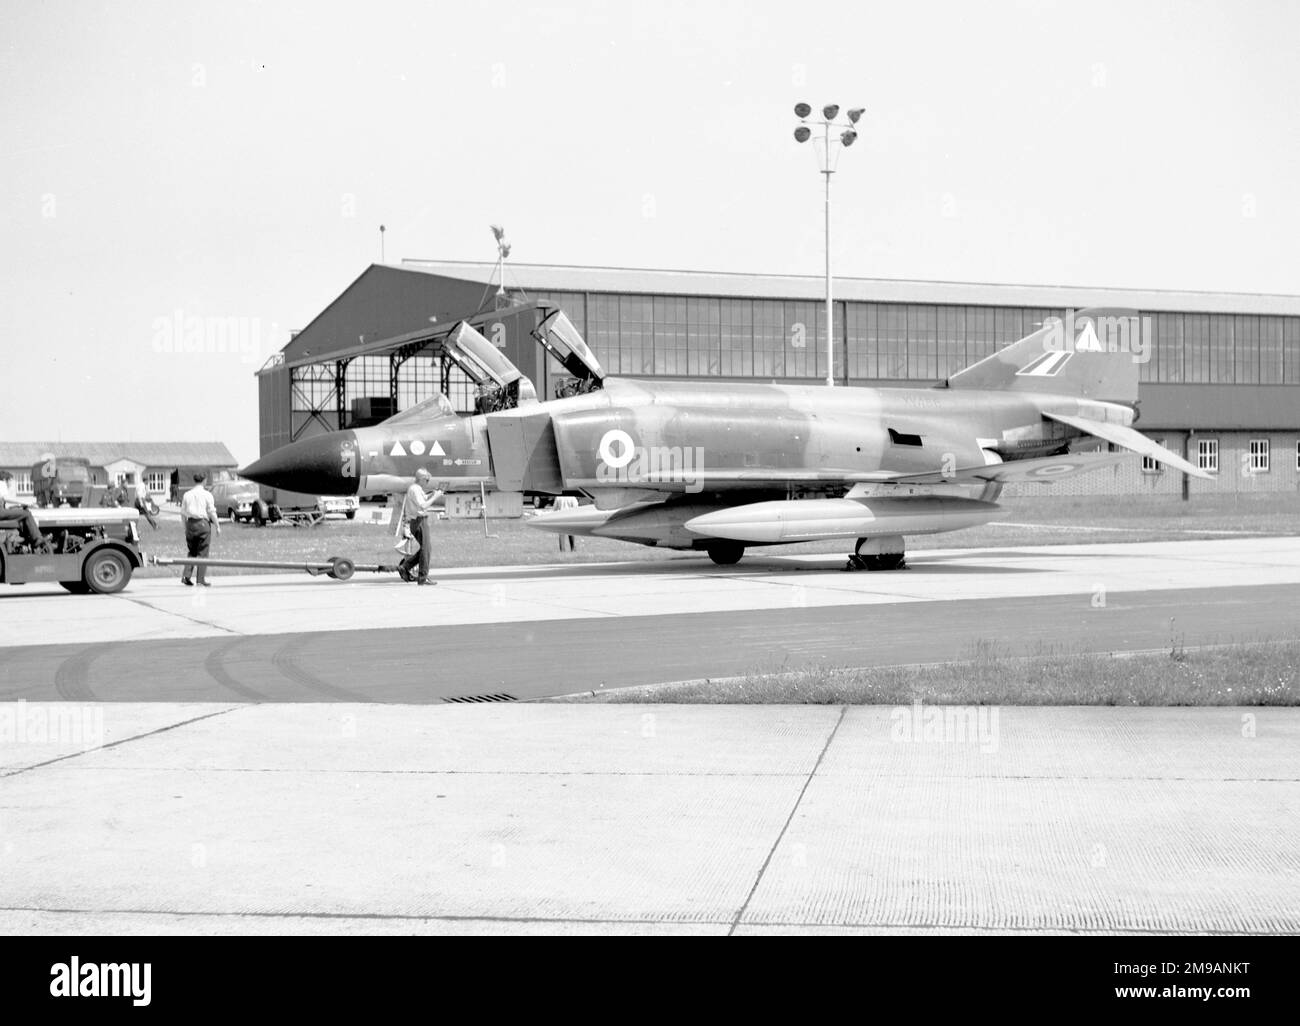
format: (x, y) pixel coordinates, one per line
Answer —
(1207, 454)
(22, 482)
(1259, 455)
(156, 480)
(1151, 465)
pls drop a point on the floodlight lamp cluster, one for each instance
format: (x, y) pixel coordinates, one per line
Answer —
(503, 247)
(830, 112)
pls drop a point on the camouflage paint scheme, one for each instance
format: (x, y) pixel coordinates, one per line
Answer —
(717, 466)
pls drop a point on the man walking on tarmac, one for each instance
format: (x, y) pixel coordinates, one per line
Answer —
(416, 506)
(199, 513)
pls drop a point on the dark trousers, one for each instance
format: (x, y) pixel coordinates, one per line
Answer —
(198, 536)
(419, 533)
(16, 517)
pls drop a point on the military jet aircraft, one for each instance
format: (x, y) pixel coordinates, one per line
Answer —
(714, 466)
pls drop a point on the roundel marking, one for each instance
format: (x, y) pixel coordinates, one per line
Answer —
(627, 448)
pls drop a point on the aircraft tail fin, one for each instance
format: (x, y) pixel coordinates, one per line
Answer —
(1092, 354)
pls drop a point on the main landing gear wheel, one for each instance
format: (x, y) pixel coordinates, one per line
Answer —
(726, 553)
(879, 561)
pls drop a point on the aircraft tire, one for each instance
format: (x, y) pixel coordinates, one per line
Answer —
(726, 553)
(888, 561)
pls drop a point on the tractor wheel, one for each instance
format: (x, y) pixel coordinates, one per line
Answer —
(106, 572)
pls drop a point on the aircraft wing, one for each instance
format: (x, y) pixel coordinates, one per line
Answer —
(1129, 439)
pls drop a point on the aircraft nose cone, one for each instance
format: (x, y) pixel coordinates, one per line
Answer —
(324, 465)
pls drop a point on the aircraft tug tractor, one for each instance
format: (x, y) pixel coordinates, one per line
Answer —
(86, 550)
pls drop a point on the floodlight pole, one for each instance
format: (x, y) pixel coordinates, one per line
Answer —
(830, 306)
(827, 167)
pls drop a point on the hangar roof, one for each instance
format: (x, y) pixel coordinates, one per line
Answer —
(99, 454)
(555, 277)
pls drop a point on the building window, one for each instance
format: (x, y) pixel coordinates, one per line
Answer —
(312, 387)
(157, 480)
(1151, 465)
(1207, 454)
(1259, 455)
(22, 482)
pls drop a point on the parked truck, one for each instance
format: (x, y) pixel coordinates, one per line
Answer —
(62, 481)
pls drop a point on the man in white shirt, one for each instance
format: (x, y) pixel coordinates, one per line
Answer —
(199, 514)
(416, 507)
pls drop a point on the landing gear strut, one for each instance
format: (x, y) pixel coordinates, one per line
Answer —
(881, 554)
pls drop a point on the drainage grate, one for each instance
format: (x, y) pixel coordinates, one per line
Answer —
(483, 698)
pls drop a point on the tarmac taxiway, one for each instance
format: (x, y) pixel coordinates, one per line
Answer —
(533, 631)
(276, 755)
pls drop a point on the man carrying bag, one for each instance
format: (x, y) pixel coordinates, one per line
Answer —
(413, 524)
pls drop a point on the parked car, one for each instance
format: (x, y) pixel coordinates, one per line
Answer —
(235, 498)
(345, 504)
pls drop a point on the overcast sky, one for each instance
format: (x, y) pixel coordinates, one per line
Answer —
(165, 161)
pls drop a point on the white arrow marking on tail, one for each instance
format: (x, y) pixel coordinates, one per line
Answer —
(1088, 342)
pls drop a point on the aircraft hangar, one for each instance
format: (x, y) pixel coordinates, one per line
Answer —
(1220, 372)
